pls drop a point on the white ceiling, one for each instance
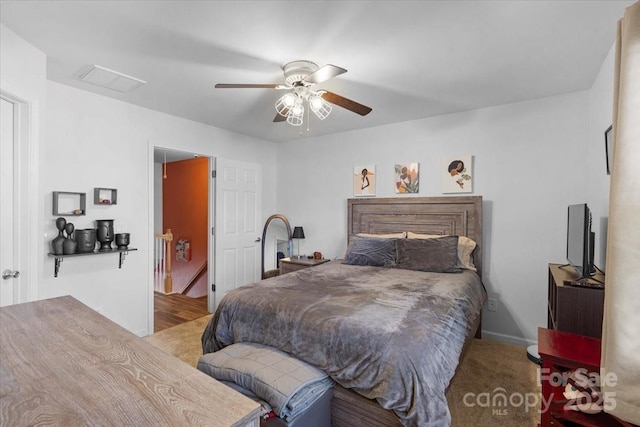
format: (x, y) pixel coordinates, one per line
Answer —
(405, 59)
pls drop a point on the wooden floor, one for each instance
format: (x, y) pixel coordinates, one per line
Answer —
(175, 309)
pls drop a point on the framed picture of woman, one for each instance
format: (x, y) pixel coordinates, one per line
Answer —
(457, 176)
(407, 178)
(364, 181)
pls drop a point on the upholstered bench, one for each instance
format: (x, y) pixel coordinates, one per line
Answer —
(298, 393)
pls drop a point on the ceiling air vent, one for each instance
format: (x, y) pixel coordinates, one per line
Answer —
(110, 79)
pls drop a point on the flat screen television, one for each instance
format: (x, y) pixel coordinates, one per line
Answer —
(580, 240)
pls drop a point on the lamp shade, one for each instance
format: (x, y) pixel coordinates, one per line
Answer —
(283, 104)
(319, 106)
(298, 233)
(295, 114)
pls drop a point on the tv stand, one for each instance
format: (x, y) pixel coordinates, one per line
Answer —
(591, 276)
(585, 282)
(575, 304)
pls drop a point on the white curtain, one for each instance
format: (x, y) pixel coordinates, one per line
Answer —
(621, 329)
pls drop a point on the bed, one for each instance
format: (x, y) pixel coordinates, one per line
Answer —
(391, 337)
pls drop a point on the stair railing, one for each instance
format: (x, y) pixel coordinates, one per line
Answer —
(163, 282)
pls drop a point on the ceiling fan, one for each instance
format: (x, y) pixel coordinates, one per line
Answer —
(299, 77)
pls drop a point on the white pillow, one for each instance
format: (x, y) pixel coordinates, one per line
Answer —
(465, 248)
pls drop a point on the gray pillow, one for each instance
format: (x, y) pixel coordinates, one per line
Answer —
(371, 251)
(436, 255)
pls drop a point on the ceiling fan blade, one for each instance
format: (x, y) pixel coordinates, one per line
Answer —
(249, 86)
(324, 73)
(343, 102)
(279, 118)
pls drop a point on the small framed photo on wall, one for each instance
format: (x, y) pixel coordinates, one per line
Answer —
(364, 181)
(407, 178)
(457, 174)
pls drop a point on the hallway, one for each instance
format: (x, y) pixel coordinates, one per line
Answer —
(175, 309)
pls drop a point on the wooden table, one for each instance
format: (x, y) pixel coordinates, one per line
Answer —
(64, 364)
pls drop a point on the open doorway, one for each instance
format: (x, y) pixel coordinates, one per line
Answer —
(181, 212)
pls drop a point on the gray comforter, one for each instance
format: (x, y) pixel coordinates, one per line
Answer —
(391, 335)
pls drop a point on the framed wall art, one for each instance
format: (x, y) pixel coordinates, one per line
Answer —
(183, 250)
(457, 175)
(364, 181)
(407, 178)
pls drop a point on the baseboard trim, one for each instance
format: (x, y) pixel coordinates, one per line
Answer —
(508, 339)
(142, 332)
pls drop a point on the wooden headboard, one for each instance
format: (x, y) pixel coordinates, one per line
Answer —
(459, 216)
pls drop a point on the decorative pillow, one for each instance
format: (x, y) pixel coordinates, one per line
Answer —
(371, 251)
(401, 235)
(438, 255)
(465, 248)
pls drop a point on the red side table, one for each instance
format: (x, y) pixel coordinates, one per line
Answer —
(561, 352)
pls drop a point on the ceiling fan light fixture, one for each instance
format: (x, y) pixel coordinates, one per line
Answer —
(284, 103)
(300, 76)
(319, 106)
(296, 113)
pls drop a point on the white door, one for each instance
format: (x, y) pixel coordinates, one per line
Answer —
(238, 226)
(8, 260)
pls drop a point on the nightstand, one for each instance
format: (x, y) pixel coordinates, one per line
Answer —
(287, 265)
(560, 352)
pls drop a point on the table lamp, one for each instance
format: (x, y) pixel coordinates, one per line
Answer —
(298, 233)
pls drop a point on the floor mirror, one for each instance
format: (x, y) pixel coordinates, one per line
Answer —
(276, 244)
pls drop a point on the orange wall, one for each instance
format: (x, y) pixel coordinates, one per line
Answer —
(184, 211)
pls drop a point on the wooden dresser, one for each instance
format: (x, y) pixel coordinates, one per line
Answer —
(64, 364)
(574, 309)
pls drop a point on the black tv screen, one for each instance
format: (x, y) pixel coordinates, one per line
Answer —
(580, 240)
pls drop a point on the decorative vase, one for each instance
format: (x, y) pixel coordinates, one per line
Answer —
(86, 240)
(105, 233)
(69, 246)
(122, 240)
(56, 243)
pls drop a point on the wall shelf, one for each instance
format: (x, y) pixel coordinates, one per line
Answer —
(59, 258)
(105, 196)
(68, 203)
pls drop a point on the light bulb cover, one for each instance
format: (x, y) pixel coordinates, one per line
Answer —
(285, 102)
(296, 113)
(319, 106)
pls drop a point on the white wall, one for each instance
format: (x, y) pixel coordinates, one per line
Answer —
(527, 167)
(94, 141)
(600, 118)
(24, 68)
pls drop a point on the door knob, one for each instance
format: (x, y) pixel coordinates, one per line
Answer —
(258, 239)
(8, 274)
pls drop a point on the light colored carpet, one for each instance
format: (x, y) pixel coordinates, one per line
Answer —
(182, 341)
(490, 375)
(496, 385)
